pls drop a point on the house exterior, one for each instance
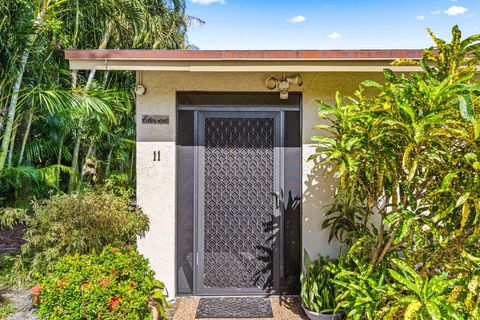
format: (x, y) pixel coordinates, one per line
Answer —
(222, 152)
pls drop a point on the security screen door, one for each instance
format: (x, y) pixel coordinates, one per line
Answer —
(238, 205)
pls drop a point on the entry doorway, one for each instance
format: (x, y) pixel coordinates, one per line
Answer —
(232, 181)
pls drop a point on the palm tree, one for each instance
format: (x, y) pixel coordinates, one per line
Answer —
(50, 116)
(41, 12)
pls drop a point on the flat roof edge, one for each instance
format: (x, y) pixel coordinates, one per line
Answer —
(244, 55)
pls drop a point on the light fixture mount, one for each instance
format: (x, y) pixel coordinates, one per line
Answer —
(140, 89)
(284, 84)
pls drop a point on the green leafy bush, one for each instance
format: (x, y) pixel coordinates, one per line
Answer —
(361, 290)
(79, 223)
(112, 285)
(438, 296)
(317, 289)
(396, 291)
(406, 153)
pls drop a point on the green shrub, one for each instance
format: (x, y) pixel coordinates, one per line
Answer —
(406, 153)
(79, 223)
(396, 290)
(438, 296)
(317, 289)
(112, 285)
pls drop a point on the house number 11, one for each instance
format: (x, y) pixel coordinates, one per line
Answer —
(156, 155)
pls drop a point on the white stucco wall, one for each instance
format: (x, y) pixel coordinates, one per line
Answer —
(156, 180)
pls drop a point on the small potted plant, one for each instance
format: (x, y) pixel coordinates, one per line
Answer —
(318, 291)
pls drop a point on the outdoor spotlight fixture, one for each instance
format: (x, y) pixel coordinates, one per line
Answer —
(284, 84)
(140, 89)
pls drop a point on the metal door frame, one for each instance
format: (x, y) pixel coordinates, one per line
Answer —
(199, 223)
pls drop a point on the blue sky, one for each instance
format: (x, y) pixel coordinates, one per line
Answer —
(328, 24)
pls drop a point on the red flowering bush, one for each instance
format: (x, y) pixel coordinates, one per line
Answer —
(36, 290)
(105, 282)
(114, 284)
(114, 303)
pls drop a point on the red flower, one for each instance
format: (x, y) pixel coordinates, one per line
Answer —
(36, 301)
(133, 284)
(105, 282)
(114, 303)
(36, 290)
(114, 271)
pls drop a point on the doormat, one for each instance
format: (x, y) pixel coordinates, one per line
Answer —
(234, 308)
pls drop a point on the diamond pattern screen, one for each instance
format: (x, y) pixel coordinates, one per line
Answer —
(238, 208)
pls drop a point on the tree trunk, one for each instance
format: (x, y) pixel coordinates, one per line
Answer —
(10, 119)
(25, 136)
(109, 161)
(12, 145)
(16, 88)
(59, 161)
(76, 149)
(3, 112)
(105, 80)
(132, 165)
(87, 156)
(74, 166)
(74, 73)
(1, 120)
(103, 45)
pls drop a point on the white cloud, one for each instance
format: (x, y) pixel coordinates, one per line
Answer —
(455, 11)
(436, 12)
(297, 19)
(334, 35)
(420, 18)
(207, 2)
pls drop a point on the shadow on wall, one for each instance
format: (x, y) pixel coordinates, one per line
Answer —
(318, 196)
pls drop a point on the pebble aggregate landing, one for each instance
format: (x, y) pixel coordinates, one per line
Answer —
(22, 302)
(284, 308)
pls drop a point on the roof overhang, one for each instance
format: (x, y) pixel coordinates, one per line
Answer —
(242, 60)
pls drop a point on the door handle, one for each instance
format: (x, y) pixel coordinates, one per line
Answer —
(280, 234)
(277, 199)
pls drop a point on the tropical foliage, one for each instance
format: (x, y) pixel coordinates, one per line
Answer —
(56, 125)
(79, 223)
(317, 290)
(62, 131)
(406, 153)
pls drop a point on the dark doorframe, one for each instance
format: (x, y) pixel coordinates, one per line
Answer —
(193, 105)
